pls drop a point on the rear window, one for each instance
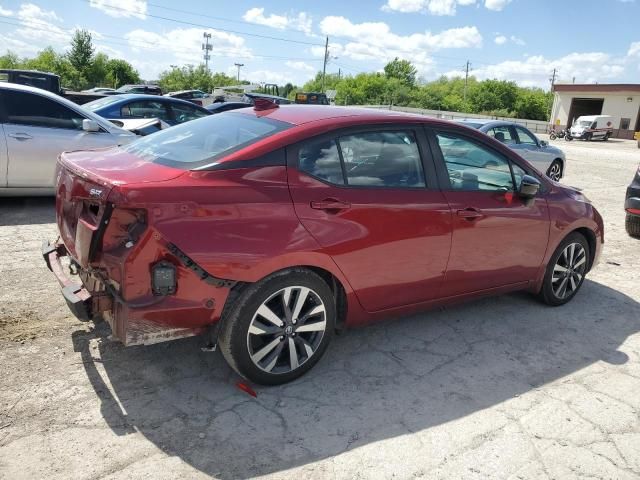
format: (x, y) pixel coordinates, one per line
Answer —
(101, 102)
(200, 142)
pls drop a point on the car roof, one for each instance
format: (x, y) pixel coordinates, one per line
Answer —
(297, 114)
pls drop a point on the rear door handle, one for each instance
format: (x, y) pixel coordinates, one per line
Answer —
(470, 213)
(21, 136)
(330, 204)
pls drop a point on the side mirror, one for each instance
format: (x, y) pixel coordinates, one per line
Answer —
(529, 187)
(90, 125)
(544, 143)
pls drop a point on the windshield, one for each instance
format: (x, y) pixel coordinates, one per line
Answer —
(583, 123)
(199, 142)
(101, 102)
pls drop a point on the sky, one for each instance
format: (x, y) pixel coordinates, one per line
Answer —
(281, 41)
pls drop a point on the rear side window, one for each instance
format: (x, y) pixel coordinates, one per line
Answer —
(144, 109)
(200, 142)
(502, 134)
(24, 108)
(372, 159)
(184, 113)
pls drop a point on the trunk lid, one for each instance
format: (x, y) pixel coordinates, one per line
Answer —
(84, 182)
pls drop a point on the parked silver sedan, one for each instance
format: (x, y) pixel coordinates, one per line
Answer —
(35, 127)
(546, 158)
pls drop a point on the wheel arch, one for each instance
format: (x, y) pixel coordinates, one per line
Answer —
(590, 236)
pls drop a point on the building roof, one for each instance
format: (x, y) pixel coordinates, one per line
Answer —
(597, 87)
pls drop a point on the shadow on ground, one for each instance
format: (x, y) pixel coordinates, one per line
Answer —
(27, 211)
(374, 383)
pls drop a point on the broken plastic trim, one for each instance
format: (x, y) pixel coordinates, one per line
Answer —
(201, 272)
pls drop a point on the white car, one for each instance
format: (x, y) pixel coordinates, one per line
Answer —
(35, 127)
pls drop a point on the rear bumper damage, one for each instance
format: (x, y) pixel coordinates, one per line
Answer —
(144, 321)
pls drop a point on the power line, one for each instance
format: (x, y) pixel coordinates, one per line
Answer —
(201, 25)
(43, 26)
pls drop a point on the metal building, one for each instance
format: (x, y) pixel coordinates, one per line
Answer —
(620, 101)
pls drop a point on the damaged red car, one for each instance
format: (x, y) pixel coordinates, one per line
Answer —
(268, 228)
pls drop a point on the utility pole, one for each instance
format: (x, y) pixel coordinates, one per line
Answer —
(466, 80)
(553, 95)
(326, 59)
(339, 73)
(207, 48)
(239, 65)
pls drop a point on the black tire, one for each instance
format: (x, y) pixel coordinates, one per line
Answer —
(588, 137)
(555, 169)
(234, 338)
(632, 225)
(552, 136)
(547, 293)
(606, 137)
(568, 138)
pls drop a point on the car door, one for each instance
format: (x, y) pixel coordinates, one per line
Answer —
(498, 238)
(37, 129)
(529, 148)
(369, 197)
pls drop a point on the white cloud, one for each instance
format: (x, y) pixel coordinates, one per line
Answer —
(634, 50)
(300, 66)
(183, 45)
(29, 11)
(121, 8)
(301, 21)
(496, 5)
(37, 22)
(434, 7)
(535, 70)
(375, 41)
(5, 12)
(502, 39)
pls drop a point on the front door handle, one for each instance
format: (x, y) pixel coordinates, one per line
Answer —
(330, 204)
(470, 213)
(20, 136)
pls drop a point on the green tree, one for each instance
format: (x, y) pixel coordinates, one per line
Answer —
(120, 72)
(532, 103)
(9, 60)
(491, 95)
(81, 52)
(402, 70)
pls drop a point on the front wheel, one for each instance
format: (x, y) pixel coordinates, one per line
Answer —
(568, 137)
(279, 327)
(555, 171)
(566, 270)
(552, 136)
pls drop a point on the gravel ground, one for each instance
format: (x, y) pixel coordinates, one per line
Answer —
(499, 388)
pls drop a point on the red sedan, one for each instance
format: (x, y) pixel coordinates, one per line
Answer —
(269, 228)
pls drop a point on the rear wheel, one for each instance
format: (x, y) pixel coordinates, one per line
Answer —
(552, 136)
(632, 225)
(566, 270)
(279, 327)
(606, 136)
(555, 170)
(588, 137)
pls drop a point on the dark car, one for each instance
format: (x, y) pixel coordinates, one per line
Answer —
(170, 110)
(250, 98)
(193, 96)
(271, 227)
(632, 207)
(219, 107)
(145, 89)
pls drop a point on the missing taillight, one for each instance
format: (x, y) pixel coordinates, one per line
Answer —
(124, 229)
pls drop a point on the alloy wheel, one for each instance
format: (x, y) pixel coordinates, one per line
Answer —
(555, 172)
(286, 330)
(569, 271)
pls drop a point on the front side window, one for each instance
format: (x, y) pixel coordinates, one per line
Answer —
(472, 167)
(526, 137)
(184, 113)
(502, 134)
(144, 109)
(203, 141)
(24, 108)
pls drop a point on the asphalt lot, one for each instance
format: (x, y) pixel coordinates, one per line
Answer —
(499, 388)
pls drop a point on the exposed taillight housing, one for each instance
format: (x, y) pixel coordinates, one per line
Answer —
(124, 229)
